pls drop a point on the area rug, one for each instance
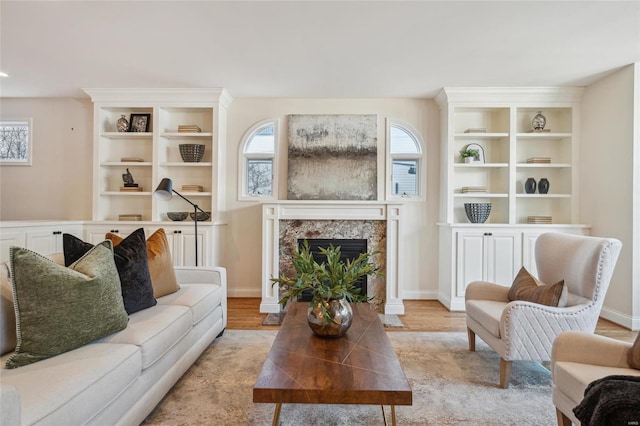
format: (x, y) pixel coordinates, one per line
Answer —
(451, 386)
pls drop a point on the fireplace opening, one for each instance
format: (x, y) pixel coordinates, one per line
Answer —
(350, 249)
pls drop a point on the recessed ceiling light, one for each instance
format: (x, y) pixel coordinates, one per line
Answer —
(3, 74)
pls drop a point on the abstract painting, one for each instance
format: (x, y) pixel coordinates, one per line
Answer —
(332, 157)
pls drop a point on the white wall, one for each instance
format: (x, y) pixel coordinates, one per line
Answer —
(608, 183)
(58, 184)
(243, 257)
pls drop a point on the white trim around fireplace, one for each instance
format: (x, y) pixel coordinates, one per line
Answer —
(391, 213)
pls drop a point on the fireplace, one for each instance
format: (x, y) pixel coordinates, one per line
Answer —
(380, 223)
(350, 249)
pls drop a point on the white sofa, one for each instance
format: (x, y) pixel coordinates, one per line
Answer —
(118, 379)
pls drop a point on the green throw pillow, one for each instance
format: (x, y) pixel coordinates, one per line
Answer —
(60, 308)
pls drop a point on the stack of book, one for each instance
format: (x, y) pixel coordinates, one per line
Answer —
(539, 160)
(130, 217)
(467, 189)
(131, 160)
(539, 219)
(192, 188)
(476, 130)
(189, 128)
(539, 131)
(131, 189)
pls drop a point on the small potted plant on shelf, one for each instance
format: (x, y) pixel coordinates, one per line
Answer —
(469, 155)
(332, 285)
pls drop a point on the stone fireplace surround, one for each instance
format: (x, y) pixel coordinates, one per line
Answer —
(285, 220)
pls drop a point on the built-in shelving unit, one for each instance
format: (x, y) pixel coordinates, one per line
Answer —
(497, 123)
(157, 150)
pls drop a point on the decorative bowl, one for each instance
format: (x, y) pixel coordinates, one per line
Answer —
(477, 212)
(191, 152)
(177, 216)
(201, 216)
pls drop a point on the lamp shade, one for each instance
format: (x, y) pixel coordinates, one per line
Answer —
(164, 191)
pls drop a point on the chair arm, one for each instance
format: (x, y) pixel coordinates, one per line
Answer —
(529, 329)
(201, 275)
(483, 290)
(592, 349)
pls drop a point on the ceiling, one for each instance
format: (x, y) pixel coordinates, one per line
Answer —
(311, 49)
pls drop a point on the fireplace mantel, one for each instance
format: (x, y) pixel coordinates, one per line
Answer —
(390, 213)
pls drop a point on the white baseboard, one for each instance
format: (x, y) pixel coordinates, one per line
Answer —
(244, 292)
(620, 318)
(420, 295)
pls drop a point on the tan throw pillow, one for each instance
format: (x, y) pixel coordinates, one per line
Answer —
(526, 287)
(163, 277)
(634, 354)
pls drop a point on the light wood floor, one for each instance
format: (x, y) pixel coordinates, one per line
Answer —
(420, 315)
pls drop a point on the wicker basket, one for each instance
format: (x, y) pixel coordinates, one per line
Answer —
(477, 212)
(191, 153)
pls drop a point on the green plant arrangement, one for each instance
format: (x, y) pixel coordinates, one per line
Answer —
(327, 281)
(464, 153)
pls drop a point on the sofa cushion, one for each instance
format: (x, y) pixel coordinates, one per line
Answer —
(573, 378)
(78, 383)
(163, 277)
(487, 313)
(526, 287)
(199, 298)
(155, 331)
(131, 260)
(59, 308)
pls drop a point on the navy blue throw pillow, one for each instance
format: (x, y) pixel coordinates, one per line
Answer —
(131, 261)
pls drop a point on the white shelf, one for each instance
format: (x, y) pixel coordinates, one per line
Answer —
(126, 164)
(481, 135)
(127, 135)
(182, 164)
(480, 195)
(481, 165)
(126, 193)
(542, 135)
(176, 135)
(543, 195)
(543, 165)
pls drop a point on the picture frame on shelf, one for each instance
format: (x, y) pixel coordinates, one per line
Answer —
(480, 157)
(139, 122)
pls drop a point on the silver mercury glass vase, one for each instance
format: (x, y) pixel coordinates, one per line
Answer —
(539, 121)
(122, 125)
(337, 325)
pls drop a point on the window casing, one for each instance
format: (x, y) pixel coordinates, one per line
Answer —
(257, 168)
(405, 162)
(16, 142)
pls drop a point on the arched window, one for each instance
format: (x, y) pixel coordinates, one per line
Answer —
(405, 161)
(258, 161)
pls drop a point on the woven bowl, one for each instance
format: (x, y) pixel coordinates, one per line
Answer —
(177, 216)
(191, 152)
(477, 212)
(201, 216)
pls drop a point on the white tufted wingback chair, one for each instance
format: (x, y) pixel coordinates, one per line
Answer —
(521, 330)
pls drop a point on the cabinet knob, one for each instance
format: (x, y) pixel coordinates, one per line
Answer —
(114, 231)
(488, 234)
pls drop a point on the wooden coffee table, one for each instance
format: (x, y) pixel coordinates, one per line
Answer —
(358, 368)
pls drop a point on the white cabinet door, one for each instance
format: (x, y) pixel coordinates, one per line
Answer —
(48, 240)
(9, 238)
(95, 234)
(487, 256)
(470, 259)
(183, 246)
(503, 256)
